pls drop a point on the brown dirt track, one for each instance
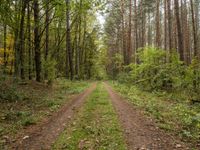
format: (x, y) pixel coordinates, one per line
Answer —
(141, 132)
(43, 136)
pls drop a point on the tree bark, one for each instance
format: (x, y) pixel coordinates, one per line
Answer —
(179, 30)
(68, 42)
(169, 25)
(29, 41)
(5, 47)
(129, 34)
(47, 35)
(37, 41)
(21, 39)
(194, 29)
(158, 35)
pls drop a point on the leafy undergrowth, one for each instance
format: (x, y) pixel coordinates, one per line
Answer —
(95, 127)
(25, 104)
(180, 117)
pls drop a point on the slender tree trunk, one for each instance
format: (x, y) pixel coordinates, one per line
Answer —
(5, 47)
(68, 42)
(169, 25)
(47, 35)
(179, 30)
(129, 34)
(194, 29)
(37, 41)
(165, 24)
(21, 39)
(158, 35)
(29, 41)
(80, 36)
(123, 33)
(75, 48)
(149, 30)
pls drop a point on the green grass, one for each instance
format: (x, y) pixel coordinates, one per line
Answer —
(40, 101)
(95, 127)
(178, 117)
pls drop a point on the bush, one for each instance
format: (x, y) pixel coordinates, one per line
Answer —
(49, 70)
(154, 73)
(10, 93)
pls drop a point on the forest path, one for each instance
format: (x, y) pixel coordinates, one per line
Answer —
(141, 132)
(43, 136)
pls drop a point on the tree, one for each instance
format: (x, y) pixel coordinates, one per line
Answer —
(37, 41)
(21, 39)
(194, 29)
(179, 30)
(68, 42)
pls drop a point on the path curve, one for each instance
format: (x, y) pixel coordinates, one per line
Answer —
(141, 132)
(45, 135)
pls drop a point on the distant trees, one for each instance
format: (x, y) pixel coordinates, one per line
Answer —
(48, 36)
(165, 24)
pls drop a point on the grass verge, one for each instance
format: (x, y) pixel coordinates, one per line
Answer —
(178, 117)
(31, 103)
(95, 127)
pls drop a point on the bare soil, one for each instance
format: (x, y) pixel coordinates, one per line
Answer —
(140, 131)
(42, 136)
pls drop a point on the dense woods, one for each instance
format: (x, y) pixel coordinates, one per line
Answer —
(171, 25)
(54, 54)
(154, 43)
(44, 39)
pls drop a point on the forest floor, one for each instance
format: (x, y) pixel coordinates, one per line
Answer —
(25, 105)
(98, 118)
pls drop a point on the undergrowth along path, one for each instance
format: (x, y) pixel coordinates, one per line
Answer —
(141, 132)
(43, 136)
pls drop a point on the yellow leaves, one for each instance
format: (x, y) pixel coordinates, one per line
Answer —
(9, 51)
(1, 61)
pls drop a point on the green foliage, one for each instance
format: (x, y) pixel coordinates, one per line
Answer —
(154, 73)
(28, 121)
(10, 93)
(192, 77)
(49, 70)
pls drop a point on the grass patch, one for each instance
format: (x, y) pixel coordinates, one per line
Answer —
(95, 127)
(179, 117)
(23, 105)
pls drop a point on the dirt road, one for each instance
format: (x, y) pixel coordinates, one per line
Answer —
(43, 136)
(141, 132)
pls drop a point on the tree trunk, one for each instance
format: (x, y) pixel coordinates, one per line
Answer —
(179, 30)
(47, 35)
(68, 42)
(5, 47)
(123, 33)
(158, 35)
(169, 25)
(21, 39)
(37, 41)
(129, 34)
(165, 24)
(29, 42)
(194, 29)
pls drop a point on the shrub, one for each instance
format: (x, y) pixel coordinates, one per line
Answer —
(10, 93)
(49, 70)
(154, 73)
